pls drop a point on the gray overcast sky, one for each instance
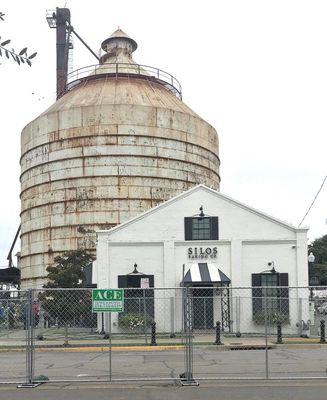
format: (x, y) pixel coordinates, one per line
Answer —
(255, 69)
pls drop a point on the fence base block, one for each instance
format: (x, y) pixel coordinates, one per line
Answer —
(191, 382)
(29, 385)
(184, 381)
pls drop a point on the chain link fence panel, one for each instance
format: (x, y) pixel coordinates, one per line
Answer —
(152, 325)
(164, 334)
(13, 336)
(111, 346)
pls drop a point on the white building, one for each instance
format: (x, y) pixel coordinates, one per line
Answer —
(214, 241)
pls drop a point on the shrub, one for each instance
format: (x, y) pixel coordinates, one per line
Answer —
(134, 322)
(272, 318)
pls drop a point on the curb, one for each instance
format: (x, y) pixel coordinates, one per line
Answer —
(223, 347)
(96, 349)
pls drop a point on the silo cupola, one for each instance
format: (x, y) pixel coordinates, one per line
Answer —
(119, 48)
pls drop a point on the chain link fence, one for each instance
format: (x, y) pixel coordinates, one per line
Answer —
(190, 333)
(13, 336)
(111, 346)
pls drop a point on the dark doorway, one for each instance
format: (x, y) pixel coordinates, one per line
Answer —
(138, 301)
(202, 302)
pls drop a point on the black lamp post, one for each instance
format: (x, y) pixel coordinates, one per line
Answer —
(311, 260)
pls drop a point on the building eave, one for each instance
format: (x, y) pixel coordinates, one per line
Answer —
(209, 190)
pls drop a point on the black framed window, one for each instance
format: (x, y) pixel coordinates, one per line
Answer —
(201, 228)
(270, 297)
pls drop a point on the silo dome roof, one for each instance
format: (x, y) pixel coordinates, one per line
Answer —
(118, 79)
(124, 90)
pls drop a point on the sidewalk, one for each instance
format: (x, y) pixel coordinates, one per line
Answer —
(53, 339)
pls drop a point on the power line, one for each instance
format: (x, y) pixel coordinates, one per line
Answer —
(323, 182)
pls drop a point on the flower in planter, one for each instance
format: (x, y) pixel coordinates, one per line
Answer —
(134, 322)
(273, 318)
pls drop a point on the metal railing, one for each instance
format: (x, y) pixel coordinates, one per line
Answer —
(52, 334)
(89, 72)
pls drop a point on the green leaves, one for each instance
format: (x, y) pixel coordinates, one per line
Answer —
(23, 51)
(19, 58)
(67, 305)
(32, 56)
(68, 270)
(318, 268)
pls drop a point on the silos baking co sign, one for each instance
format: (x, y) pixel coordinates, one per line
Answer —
(202, 253)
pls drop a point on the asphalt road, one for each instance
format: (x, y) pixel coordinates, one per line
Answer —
(303, 390)
(210, 363)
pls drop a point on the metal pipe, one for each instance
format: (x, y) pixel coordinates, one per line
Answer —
(322, 331)
(85, 44)
(9, 257)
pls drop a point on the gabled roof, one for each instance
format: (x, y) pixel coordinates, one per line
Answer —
(211, 191)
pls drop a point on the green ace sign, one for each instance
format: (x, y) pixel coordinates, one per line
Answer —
(107, 300)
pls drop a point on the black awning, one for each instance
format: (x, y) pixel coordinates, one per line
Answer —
(204, 274)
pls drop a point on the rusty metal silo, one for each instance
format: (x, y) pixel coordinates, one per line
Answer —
(119, 141)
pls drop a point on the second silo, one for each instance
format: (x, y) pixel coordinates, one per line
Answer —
(118, 142)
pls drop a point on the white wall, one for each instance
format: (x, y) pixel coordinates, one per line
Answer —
(235, 221)
(247, 241)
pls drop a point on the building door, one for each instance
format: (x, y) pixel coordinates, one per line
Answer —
(138, 302)
(202, 302)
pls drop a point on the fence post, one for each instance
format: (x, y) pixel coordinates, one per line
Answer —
(110, 349)
(145, 318)
(188, 332)
(322, 331)
(29, 308)
(153, 334)
(279, 333)
(266, 333)
(187, 377)
(218, 331)
(33, 321)
(28, 324)
(172, 318)
(238, 316)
